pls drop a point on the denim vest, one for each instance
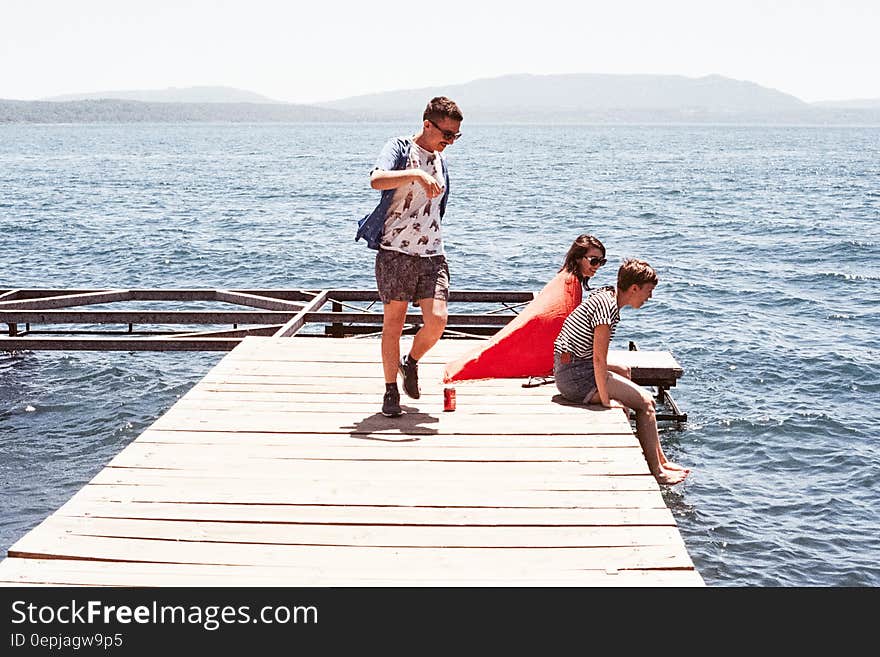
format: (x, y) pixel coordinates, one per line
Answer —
(372, 226)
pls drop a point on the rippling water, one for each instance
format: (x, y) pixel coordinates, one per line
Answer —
(767, 242)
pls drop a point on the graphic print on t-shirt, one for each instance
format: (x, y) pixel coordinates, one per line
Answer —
(412, 224)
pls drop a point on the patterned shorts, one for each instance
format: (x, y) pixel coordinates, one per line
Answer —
(402, 277)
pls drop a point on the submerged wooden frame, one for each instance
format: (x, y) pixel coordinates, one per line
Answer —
(272, 312)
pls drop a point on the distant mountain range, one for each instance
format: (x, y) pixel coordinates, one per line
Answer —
(132, 111)
(583, 94)
(861, 103)
(576, 98)
(610, 99)
(174, 95)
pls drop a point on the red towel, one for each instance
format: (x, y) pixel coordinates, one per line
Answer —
(524, 347)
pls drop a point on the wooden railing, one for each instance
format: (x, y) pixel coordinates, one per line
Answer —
(43, 318)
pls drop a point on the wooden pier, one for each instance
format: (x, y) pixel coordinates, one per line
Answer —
(278, 470)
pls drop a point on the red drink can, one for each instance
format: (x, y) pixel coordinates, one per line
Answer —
(448, 399)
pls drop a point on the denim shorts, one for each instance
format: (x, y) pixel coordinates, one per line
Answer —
(575, 378)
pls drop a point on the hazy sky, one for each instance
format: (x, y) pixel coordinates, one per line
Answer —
(312, 51)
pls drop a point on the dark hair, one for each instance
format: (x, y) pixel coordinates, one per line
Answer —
(441, 107)
(635, 272)
(577, 251)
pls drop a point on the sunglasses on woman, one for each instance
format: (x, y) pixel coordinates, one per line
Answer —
(596, 261)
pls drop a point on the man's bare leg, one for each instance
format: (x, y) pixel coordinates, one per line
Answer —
(392, 328)
(434, 315)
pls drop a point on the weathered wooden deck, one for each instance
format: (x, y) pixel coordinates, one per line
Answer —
(277, 469)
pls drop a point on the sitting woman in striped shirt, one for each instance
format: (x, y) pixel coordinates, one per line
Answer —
(580, 361)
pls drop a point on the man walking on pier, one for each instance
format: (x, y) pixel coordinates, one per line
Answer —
(405, 230)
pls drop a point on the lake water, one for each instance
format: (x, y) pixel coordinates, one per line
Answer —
(766, 240)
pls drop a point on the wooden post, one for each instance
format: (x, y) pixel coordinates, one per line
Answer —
(336, 328)
(663, 397)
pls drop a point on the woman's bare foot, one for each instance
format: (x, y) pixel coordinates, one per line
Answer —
(666, 463)
(671, 477)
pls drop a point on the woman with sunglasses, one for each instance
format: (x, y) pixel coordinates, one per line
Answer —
(584, 258)
(580, 361)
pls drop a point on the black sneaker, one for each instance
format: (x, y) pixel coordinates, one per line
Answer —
(410, 373)
(391, 404)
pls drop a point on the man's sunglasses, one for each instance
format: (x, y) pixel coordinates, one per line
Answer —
(448, 135)
(596, 261)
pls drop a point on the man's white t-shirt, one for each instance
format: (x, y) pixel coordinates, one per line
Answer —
(412, 225)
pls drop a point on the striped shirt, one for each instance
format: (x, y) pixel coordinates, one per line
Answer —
(576, 335)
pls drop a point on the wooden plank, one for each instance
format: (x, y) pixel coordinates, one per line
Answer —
(367, 384)
(142, 453)
(647, 360)
(366, 405)
(431, 402)
(257, 301)
(552, 473)
(413, 421)
(296, 322)
(475, 398)
(9, 295)
(466, 560)
(376, 319)
(145, 316)
(79, 573)
(256, 440)
(68, 300)
(322, 455)
(517, 297)
(117, 344)
(234, 333)
(423, 536)
(625, 462)
(91, 503)
(362, 486)
(530, 496)
(172, 294)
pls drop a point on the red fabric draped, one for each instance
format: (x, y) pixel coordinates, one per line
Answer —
(524, 347)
